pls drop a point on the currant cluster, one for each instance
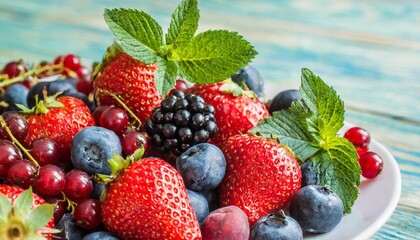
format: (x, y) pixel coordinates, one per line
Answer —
(370, 162)
(181, 121)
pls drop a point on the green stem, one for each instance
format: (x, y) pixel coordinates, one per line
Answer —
(30, 72)
(15, 141)
(122, 104)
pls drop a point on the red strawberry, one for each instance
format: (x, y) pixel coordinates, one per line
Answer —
(132, 81)
(234, 114)
(261, 175)
(15, 226)
(149, 201)
(58, 122)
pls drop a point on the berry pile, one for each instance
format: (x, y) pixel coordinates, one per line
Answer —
(102, 155)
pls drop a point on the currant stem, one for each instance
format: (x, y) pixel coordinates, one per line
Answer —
(30, 72)
(15, 141)
(122, 104)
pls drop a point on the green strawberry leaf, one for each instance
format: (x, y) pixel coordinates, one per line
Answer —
(310, 128)
(23, 203)
(137, 32)
(40, 216)
(165, 76)
(5, 208)
(184, 23)
(213, 56)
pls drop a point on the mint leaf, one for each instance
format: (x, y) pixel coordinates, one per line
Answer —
(286, 128)
(165, 76)
(213, 56)
(184, 23)
(310, 128)
(326, 106)
(137, 32)
(337, 167)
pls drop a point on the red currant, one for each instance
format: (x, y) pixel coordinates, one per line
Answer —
(358, 136)
(133, 140)
(84, 86)
(45, 151)
(98, 112)
(17, 125)
(371, 164)
(72, 62)
(9, 154)
(88, 214)
(78, 185)
(22, 173)
(51, 180)
(115, 119)
(15, 68)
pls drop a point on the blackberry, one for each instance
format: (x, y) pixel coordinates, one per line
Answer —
(181, 121)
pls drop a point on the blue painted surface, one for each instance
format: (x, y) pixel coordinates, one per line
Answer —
(368, 50)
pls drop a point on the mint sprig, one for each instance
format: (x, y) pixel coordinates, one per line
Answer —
(310, 128)
(208, 57)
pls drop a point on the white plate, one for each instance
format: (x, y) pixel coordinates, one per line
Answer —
(377, 200)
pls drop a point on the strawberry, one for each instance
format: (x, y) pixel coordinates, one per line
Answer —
(261, 175)
(17, 217)
(131, 80)
(58, 119)
(236, 110)
(149, 201)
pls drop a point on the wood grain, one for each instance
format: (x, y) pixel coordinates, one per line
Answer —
(368, 50)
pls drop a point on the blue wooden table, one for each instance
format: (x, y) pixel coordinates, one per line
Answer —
(368, 50)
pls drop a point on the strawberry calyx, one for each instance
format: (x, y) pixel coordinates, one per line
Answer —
(230, 87)
(118, 164)
(110, 53)
(18, 220)
(42, 106)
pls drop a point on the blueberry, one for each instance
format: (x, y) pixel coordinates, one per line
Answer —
(276, 226)
(52, 88)
(199, 204)
(252, 78)
(98, 190)
(92, 147)
(283, 100)
(16, 93)
(316, 208)
(202, 167)
(212, 197)
(74, 93)
(102, 235)
(69, 228)
(309, 175)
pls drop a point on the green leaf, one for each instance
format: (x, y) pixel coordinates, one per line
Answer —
(288, 131)
(310, 128)
(23, 203)
(339, 170)
(184, 23)
(165, 76)
(325, 104)
(138, 34)
(213, 56)
(5, 207)
(40, 216)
